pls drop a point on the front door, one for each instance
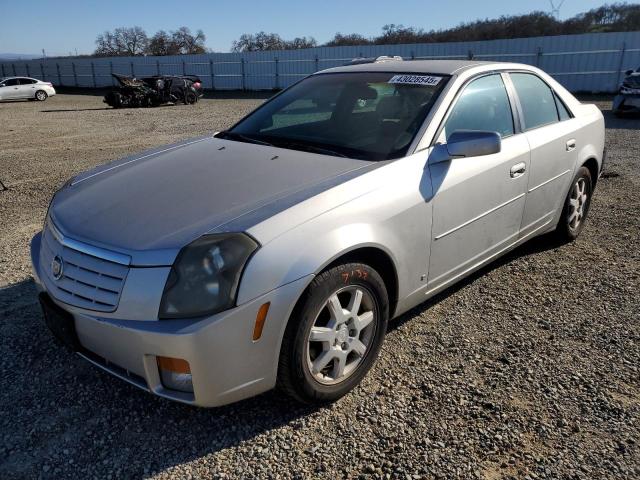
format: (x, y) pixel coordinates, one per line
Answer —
(478, 201)
(11, 90)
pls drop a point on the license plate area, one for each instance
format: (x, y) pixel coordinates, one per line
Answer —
(60, 322)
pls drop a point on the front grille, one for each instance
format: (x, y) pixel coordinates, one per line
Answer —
(87, 281)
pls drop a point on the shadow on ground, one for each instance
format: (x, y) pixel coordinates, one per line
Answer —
(75, 110)
(536, 245)
(71, 402)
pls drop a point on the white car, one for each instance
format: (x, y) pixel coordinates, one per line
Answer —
(18, 88)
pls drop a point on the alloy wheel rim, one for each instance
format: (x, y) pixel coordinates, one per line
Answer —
(341, 335)
(40, 95)
(577, 204)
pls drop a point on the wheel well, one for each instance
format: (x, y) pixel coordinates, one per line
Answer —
(592, 165)
(380, 261)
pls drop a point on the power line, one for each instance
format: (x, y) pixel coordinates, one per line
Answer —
(555, 10)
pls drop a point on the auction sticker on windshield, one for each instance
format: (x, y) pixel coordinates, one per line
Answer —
(416, 79)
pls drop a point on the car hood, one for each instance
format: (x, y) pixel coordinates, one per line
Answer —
(150, 205)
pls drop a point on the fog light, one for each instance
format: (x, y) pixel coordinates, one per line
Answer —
(175, 374)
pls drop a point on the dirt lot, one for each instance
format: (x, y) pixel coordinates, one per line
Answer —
(530, 369)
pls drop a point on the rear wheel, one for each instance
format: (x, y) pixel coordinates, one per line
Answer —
(190, 97)
(576, 206)
(335, 334)
(41, 95)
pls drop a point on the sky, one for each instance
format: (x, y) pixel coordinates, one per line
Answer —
(68, 26)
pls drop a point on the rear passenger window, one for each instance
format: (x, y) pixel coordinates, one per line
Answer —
(537, 100)
(483, 105)
(563, 113)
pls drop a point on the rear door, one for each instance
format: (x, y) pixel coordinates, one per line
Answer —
(478, 201)
(27, 88)
(551, 133)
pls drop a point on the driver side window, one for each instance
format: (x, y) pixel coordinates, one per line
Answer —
(483, 105)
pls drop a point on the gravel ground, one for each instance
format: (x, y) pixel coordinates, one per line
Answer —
(529, 369)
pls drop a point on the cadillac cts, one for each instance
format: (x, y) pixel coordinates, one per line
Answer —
(275, 252)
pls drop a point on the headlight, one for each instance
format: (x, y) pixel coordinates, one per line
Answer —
(66, 184)
(204, 278)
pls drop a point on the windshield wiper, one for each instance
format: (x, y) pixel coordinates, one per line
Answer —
(309, 148)
(242, 138)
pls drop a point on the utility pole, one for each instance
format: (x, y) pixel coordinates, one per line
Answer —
(555, 10)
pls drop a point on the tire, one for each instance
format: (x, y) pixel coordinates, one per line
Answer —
(576, 206)
(347, 335)
(190, 98)
(41, 95)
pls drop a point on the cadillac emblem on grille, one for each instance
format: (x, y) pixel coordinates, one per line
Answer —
(57, 266)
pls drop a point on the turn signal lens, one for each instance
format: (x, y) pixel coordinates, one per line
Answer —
(260, 319)
(175, 374)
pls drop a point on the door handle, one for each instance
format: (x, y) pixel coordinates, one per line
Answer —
(571, 145)
(518, 169)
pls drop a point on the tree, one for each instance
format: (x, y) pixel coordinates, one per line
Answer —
(186, 43)
(106, 45)
(340, 40)
(176, 43)
(133, 41)
(608, 18)
(301, 42)
(617, 17)
(392, 33)
(261, 41)
(129, 41)
(162, 44)
(258, 42)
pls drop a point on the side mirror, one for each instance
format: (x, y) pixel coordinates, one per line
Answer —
(628, 72)
(472, 143)
(467, 143)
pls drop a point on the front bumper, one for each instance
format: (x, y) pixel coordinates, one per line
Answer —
(226, 364)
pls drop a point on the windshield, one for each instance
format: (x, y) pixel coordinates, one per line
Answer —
(365, 115)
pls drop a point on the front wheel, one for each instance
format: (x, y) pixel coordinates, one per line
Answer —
(576, 206)
(334, 335)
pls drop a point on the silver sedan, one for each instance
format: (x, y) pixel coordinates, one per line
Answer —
(274, 253)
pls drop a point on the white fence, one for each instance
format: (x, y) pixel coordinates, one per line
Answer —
(590, 62)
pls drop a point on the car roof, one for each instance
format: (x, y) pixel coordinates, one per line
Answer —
(2, 79)
(441, 67)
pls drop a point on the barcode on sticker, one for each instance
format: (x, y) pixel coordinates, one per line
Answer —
(416, 79)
